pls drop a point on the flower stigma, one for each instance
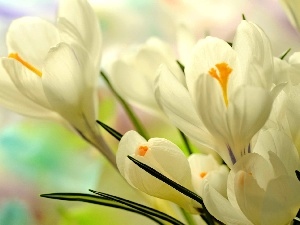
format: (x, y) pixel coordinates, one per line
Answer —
(26, 64)
(142, 150)
(222, 76)
(202, 174)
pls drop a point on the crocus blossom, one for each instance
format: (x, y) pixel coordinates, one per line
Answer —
(206, 168)
(163, 156)
(228, 90)
(141, 64)
(52, 74)
(285, 114)
(262, 187)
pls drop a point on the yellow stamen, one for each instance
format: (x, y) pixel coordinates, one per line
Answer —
(223, 75)
(203, 174)
(24, 63)
(142, 150)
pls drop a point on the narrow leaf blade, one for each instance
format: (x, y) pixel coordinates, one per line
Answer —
(110, 130)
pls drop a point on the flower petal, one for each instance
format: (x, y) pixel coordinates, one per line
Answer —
(127, 146)
(69, 83)
(26, 81)
(221, 208)
(181, 112)
(81, 17)
(142, 66)
(31, 38)
(278, 142)
(247, 113)
(13, 99)
(281, 202)
(249, 196)
(254, 50)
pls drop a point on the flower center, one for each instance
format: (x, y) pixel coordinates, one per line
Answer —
(24, 63)
(142, 150)
(222, 77)
(202, 174)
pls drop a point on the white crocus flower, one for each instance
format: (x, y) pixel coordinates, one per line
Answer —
(140, 65)
(285, 113)
(163, 156)
(228, 90)
(262, 186)
(291, 8)
(51, 72)
(207, 168)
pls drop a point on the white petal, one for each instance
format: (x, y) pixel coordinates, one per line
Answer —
(292, 111)
(279, 143)
(249, 196)
(280, 71)
(295, 58)
(127, 146)
(81, 15)
(247, 113)
(69, 83)
(221, 208)
(13, 99)
(181, 112)
(140, 92)
(141, 66)
(253, 164)
(205, 167)
(254, 49)
(31, 38)
(26, 81)
(282, 201)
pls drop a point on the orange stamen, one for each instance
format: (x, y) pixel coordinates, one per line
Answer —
(24, 63)
(203, 174)
(142, 150)
(223, 75)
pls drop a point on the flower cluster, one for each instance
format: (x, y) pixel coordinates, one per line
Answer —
(236, 102)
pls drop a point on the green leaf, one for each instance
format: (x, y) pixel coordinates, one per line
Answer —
(285, 53)
(143, 208)
(186, 142)
(180, 65)
(298, 174)
(105, 201)
(110, 130)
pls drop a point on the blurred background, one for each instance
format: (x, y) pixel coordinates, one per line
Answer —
(42, 157)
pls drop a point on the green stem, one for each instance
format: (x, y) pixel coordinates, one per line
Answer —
(134, 119)
(189, 219)
(186, 142)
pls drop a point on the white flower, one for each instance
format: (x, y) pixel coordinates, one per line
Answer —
(51, 72)
(134, 73)
(163, 156)
(228, 90)
(285, 113)
(262, 187)
(206, 168)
